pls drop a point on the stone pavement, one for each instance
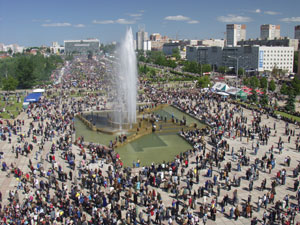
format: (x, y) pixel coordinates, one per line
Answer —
(282, 190)
(10, 183)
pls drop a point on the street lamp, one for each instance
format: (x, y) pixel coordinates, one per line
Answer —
(237, 65)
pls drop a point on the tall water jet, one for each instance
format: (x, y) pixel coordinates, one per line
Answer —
(126, 83)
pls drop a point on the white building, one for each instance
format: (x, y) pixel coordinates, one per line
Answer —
(147, 45)
(212, 42)
(82, 46)
(259, 58)
(55, 48)
(235, 33)
(193, 42)
(275, 57)
(1, 47)
(141, 37)
(15, 48)
(269, 31)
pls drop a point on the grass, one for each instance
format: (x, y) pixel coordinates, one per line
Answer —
(292, 117)
(14, 108)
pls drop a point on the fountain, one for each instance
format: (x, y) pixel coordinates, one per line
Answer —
(142, 142)
(126, 84)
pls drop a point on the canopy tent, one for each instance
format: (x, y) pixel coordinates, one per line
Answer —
(259, 91)
(33, 97)
(220, 86)
(222, 93)
(241, 94)
(39, 90)
(233, 91)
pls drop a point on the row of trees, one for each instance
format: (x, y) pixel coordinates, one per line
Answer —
(194, 67)
(156, 57)
(24, 71)
(291, 88)
(262, 82)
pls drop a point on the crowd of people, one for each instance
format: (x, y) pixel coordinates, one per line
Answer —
(64, 180)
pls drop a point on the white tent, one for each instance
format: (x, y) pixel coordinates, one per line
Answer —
(222, 93)
(220, 86)
(233, 90)
(39, 90)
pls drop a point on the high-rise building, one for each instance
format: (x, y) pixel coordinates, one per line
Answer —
(235, 33)
(141, 37)
(297, 32)
(258, 58)
(285, 42)
(155, 37)
(269, 31)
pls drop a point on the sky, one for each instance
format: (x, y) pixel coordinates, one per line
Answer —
(40, 22)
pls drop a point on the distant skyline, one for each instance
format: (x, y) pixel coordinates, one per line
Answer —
(35, 23)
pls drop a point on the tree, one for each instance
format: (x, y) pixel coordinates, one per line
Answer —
(290, 104)
(241, 71)
(203, 82)
(9, 84)
(246, 81)
(264, 100)
(176, 53)
(10, 51)
(296, 55)
(263, 82)
(272, 85)
(253, 97)
(206, 68)
(296, 85)
(254, 82)
(284, 89)
(222, 69)
(24, 72)
(192, 67)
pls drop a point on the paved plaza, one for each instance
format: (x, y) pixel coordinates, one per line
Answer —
(22, 162)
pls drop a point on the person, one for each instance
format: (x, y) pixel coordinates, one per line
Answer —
(236, 213)
(204, 218)
(254, 221)
(296, 185)
(231, 213)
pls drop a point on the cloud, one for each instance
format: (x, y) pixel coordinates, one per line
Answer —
(56, 25)
(124, 21)
(291, 19)
(177, 18)
(79, 25)
(119, 21)
(231, 18)
(41, 21)
(103, 21)
(193, 21)
(135, 14)
(272, 13)
(257, 11)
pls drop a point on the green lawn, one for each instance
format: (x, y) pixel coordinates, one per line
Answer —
(288, 116)
(13, 108)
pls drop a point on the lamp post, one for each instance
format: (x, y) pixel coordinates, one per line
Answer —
(237, 65)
